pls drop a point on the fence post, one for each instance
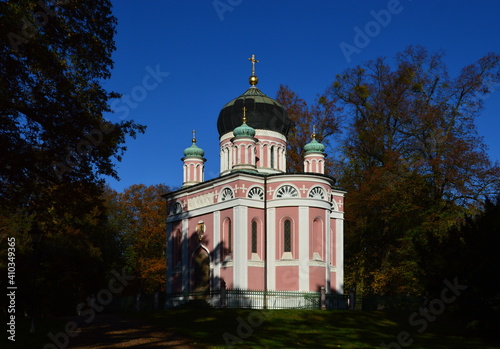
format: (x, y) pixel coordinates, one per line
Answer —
(352, 299)
(323, 298)
(222, 294)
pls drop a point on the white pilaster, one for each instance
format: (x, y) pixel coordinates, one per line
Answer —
(303, 239)
(185, 257)
(217, 248)
(339, 253)
(271, 249)
(328, 250)
(240, 258)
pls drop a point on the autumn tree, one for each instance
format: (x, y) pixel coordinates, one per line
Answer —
(324, 115)
(144, 234)
(414, 161)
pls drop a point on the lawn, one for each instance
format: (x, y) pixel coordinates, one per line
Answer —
(312, 329)
(215, 328)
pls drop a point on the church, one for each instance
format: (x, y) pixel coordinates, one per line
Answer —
(255, 226)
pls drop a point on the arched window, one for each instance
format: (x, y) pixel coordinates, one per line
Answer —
(272, 156)
(254, 237)
(226, 194)
(287, 236)
(286, 191)
(227, 239)
(317, 239)
(256, 193)
(317, 193)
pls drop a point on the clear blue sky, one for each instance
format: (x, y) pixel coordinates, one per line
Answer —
(200, 58)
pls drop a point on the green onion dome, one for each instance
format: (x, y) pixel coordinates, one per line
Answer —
(244, 131)
(194, 151)
(314, 146)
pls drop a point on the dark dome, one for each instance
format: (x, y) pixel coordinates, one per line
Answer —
(262, 113)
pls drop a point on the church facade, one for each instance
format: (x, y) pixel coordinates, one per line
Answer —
(255, 227)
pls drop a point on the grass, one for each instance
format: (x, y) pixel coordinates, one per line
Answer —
(310, 329)
(215, 328)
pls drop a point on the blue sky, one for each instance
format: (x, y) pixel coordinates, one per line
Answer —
(178, 62)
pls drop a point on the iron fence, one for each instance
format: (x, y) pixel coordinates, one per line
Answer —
(258, 299)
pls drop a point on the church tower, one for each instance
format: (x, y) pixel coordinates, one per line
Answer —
(314, 159)
(194, 164)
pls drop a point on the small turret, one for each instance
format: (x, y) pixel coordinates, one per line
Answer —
(194, 164)
(314, 159)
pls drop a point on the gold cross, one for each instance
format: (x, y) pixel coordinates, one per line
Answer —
(244, 114)
(194, 136)
(253, 60)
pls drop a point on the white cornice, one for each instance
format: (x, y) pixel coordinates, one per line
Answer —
(258, 132)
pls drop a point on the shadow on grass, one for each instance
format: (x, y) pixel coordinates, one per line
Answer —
(215, 328)
(308, 329)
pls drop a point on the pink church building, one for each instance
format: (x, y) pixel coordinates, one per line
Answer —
(255, 227)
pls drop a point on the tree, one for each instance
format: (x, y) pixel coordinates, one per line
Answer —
(56, 144)
(54, 57)
(414, 162)
(470, 254)
(145, 234)
(324, 115)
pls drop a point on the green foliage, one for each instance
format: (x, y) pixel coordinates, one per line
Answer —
(412, 161)
(414, 164)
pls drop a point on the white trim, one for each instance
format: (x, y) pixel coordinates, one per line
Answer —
(240, 255)
(256, 263)
(271, 249)
(337, 215)
(287, 262)
(339, 255)
(185, 260)
(258, 132)
(328, 250)
(309, 202)
(219, 207)
(286, 256)
(217, 252)
(303, 239)
(316, 263)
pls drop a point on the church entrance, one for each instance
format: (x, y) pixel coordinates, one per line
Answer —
(201, 273)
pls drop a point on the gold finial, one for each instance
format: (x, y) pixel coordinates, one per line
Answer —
(244, 115)
(194, 136)
(253, 79)
(314, 132)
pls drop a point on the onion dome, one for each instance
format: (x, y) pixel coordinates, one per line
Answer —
(194, 150)
(244, 130)
(314, 146)
(263, 112)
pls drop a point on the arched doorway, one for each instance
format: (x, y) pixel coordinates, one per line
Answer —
(201, 273)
